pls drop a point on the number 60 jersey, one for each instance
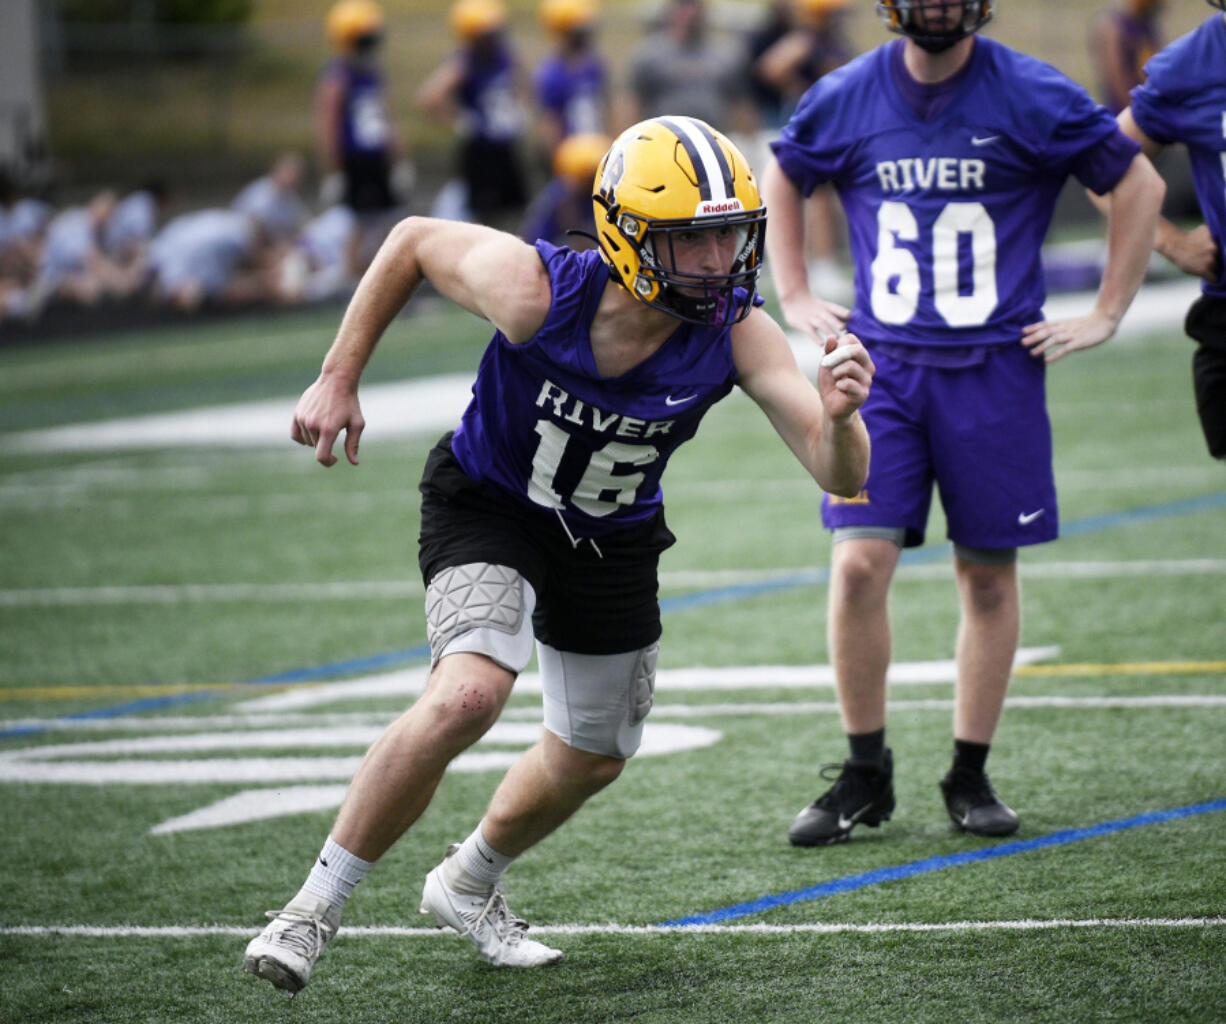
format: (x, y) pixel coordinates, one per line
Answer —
(545, 427)
(949, 189)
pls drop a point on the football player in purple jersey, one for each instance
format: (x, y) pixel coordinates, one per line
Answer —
(948, 151)
(542, 514)
(1121, 39)
(1183, 100)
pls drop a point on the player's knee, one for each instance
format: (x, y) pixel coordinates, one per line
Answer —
(465, 696)
(861, 576)
(987, 589)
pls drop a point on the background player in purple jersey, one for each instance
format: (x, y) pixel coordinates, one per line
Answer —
(1184, 100)
(478, 89)
(571, 82)
(948, 151)
(1121, 39)
(362, 159)
(542, 515)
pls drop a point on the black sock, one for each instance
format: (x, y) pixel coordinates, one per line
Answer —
(970, 756)
(868, 746)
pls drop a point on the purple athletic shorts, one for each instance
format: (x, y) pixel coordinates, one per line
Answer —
(976, 425)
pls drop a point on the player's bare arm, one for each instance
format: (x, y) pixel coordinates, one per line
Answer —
(822, 425)
(785, 249)
(489, 273)
(1131, 228)
(1193, 252)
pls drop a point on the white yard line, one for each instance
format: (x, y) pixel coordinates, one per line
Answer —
(831, 928)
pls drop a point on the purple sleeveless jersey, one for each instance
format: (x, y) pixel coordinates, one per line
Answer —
(545, 427)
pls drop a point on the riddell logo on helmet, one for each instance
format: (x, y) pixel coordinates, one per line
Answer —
(711, 207)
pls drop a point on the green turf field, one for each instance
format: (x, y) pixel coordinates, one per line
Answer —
(183, 626)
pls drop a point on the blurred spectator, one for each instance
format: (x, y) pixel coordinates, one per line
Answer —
(681, 67)
(1121, 40)
(325, 260)
(477, 89)
(23, 222)
(572, 81)
(565, 203)
(363, 161)
(73, 266)
(134, 223)
(215, 256)
(273, 199)
(769, 101)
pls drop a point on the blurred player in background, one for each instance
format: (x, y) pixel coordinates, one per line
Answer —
(682, 67)
(1183, 100)
(948, 151)
(564, 205)
(478, 90)
(572, 87)
(363, 161)
(1121, 39)
(542, 515)
(814, 45)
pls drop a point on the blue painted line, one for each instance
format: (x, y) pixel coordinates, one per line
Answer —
(339, 668)
(700, 599)
(923, 867)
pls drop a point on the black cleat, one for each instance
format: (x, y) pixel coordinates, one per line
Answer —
(974, 806)
(862, 794)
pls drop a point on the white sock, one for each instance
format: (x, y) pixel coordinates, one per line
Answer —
(336, 873)
(480, 862)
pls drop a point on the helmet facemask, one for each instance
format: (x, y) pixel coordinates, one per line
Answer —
(962, 18)
(708, 299)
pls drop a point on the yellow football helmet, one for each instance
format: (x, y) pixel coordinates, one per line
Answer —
(578, 156)
(814, 13)
(670, 175)
(471, 19)
(352, 20)
(901, 16)
(566, 16)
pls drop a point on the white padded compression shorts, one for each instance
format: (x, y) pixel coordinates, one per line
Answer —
(598, 702)
(481, 609)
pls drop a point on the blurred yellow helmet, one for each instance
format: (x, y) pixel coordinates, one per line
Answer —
(578, 156)
(473, 18)
(351, 20)
(563, 16)
(815, 12)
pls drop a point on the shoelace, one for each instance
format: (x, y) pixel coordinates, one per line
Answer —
(305, 941)
(497, 913)
(845, 781)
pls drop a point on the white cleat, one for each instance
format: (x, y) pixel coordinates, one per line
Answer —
(484, 919)
(286, 950)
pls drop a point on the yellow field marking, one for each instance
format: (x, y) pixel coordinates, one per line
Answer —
(1124, 668)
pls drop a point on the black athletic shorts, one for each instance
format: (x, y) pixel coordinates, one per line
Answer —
(368, 183)
(494, 177)
(591, 598)
(1206, 323)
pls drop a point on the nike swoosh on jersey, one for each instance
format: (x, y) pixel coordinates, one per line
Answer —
(977, 141)
(1026, 518)
(669, 400)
